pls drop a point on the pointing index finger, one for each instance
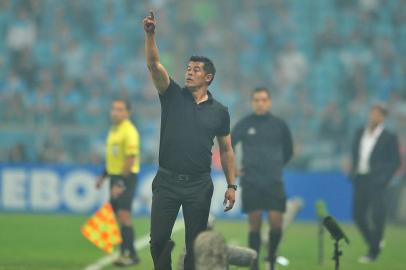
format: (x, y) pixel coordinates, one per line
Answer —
(151, 15)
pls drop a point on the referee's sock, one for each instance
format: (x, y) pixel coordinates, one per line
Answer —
(127, 233)
(254, 242)
(275, 236)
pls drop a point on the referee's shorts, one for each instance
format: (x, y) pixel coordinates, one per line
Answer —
(257, 197)
(125, 199)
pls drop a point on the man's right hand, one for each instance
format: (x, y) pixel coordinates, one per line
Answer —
(99, 181)
(149, 23)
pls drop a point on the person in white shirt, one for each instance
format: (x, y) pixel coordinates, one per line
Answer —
(375, 160)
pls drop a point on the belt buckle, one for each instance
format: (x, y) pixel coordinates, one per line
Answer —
(183, 177)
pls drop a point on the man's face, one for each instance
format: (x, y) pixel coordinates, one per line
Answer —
(118, 112)
(376, 117)
(261, 103)
(195, 75)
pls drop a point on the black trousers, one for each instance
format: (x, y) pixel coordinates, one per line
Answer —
(169, 192)
(369, 211)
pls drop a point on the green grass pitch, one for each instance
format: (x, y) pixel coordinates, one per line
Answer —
(53, 242)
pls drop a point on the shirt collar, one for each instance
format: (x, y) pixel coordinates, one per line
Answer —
(377, 131)
(120, 124)
(262, 116)
(189, 95)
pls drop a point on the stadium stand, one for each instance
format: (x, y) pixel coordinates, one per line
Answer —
(326, 61)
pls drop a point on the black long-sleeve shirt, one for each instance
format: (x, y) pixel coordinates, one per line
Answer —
(267, 147)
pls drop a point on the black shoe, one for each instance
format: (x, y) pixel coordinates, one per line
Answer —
(126, 261)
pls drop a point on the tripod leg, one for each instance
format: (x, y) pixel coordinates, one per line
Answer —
(337, 254)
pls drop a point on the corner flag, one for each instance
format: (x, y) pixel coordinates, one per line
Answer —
(102, 229)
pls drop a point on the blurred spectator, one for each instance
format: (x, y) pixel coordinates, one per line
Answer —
(356, 82)
(25, 66)
(16, 109)
(96, 107)
(17, 153)
(13, 84)
(357, 108)
(62, 61)
(384, 84)
(42, 100)
(328, 38)
(333, 127)
(21, 32)
(292, 67)
(69, 102)
(369, 6)
(52, 148)
(73, 60)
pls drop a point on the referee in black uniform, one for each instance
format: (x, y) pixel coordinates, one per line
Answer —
(190, 119)
(267, 147)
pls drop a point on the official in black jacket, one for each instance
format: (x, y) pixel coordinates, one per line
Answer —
(376, 158)
(267, 147)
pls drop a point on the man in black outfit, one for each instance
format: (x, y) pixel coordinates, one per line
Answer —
(267, 148)
(375, 159)
(190, 119)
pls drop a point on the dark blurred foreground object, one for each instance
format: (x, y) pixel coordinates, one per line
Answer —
(242, 256)
(212, 253)
(337, 234)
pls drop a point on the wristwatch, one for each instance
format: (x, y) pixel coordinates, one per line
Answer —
(232, 186)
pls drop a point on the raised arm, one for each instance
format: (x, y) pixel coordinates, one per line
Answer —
(158, 72)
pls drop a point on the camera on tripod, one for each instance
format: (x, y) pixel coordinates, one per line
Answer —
(337, 234)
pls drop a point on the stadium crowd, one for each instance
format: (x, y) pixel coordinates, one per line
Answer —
(326, 61)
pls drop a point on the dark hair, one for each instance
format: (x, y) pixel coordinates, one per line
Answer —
(381, 108)
(260, 89)
(126, 103)
(208, 66)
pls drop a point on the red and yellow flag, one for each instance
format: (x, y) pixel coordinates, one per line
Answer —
(102, 229)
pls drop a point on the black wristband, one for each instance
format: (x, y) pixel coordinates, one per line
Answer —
(104, 174)
(232, 186)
